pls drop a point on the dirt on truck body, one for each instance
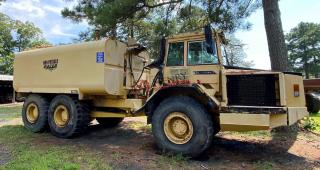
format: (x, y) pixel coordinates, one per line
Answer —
(187, 94)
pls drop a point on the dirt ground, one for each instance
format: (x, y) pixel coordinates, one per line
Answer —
(131, 146)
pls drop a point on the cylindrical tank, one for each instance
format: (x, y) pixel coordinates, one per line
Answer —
(95, 67)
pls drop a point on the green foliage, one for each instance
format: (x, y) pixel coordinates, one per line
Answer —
(191, 18)
(304, 49)
(39, 43)
(227, 15)
(26, 34)
(86, 35)
(6, 64)
(310, 124)
(148, 21)
(230, 15)
(6, 39)
(16, 36)
(108, 16)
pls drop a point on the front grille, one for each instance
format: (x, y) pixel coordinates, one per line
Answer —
(252, 90)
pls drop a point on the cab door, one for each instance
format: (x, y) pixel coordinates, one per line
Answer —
(175, 67)
(188, 60)
(204, 67)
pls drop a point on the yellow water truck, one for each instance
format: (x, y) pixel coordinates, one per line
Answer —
(187, 94)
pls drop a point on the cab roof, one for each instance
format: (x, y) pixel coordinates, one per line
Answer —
(190, 35)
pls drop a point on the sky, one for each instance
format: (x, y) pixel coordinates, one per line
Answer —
(46, 14)
(292, 13)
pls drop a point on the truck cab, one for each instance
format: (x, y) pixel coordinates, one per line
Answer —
(243, 99)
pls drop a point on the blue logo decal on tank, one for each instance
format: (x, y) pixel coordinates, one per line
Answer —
(100, 57)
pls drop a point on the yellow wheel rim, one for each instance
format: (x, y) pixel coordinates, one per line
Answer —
(32, 113)
(178, 128)
(61, 116)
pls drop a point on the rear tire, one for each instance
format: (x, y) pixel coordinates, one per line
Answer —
(313, 102)
(190, 126)
(68, 117)
(109, 122)
(35, 113)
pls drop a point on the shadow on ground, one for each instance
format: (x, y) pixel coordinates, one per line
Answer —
(243, 153)
(138, 147)
(127, 148)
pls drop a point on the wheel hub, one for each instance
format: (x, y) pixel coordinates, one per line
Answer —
(178, 128)
(61, 116)
(32, 113)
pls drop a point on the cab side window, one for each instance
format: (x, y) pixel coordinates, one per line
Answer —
(197, 54)
(175, 55)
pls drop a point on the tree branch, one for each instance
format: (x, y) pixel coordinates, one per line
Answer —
(220, 4)
(246, 8)
(161, 4)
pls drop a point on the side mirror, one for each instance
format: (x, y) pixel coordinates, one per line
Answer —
(210, 44)
(159, 61)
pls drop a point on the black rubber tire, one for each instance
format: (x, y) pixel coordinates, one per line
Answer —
(313, 102)
(216, 124)
(79, 114)
(109, 122)
(201, 121)
(41, 123)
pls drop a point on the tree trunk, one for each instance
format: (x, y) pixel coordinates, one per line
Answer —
(306, 69)
(306, 65)
(276, 42)
(114, 32)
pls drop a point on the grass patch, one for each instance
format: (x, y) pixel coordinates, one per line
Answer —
(28, 155)
(264, 165)
(140, 126)
(10, 112)
(315, 118)
(262, 133)
(116, 156)
(173, 161)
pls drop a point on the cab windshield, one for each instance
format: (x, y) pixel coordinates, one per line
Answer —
(198, 55)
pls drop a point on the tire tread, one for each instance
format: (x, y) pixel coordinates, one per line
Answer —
(43, 106)
(206, 120)
(82, 110)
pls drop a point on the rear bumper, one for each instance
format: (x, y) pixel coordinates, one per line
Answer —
(263, 118)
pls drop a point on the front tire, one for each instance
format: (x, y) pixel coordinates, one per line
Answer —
(68, 117)
(35, 113)
(182, 126)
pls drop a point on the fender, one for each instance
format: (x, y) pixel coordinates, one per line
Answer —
(192, 90)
